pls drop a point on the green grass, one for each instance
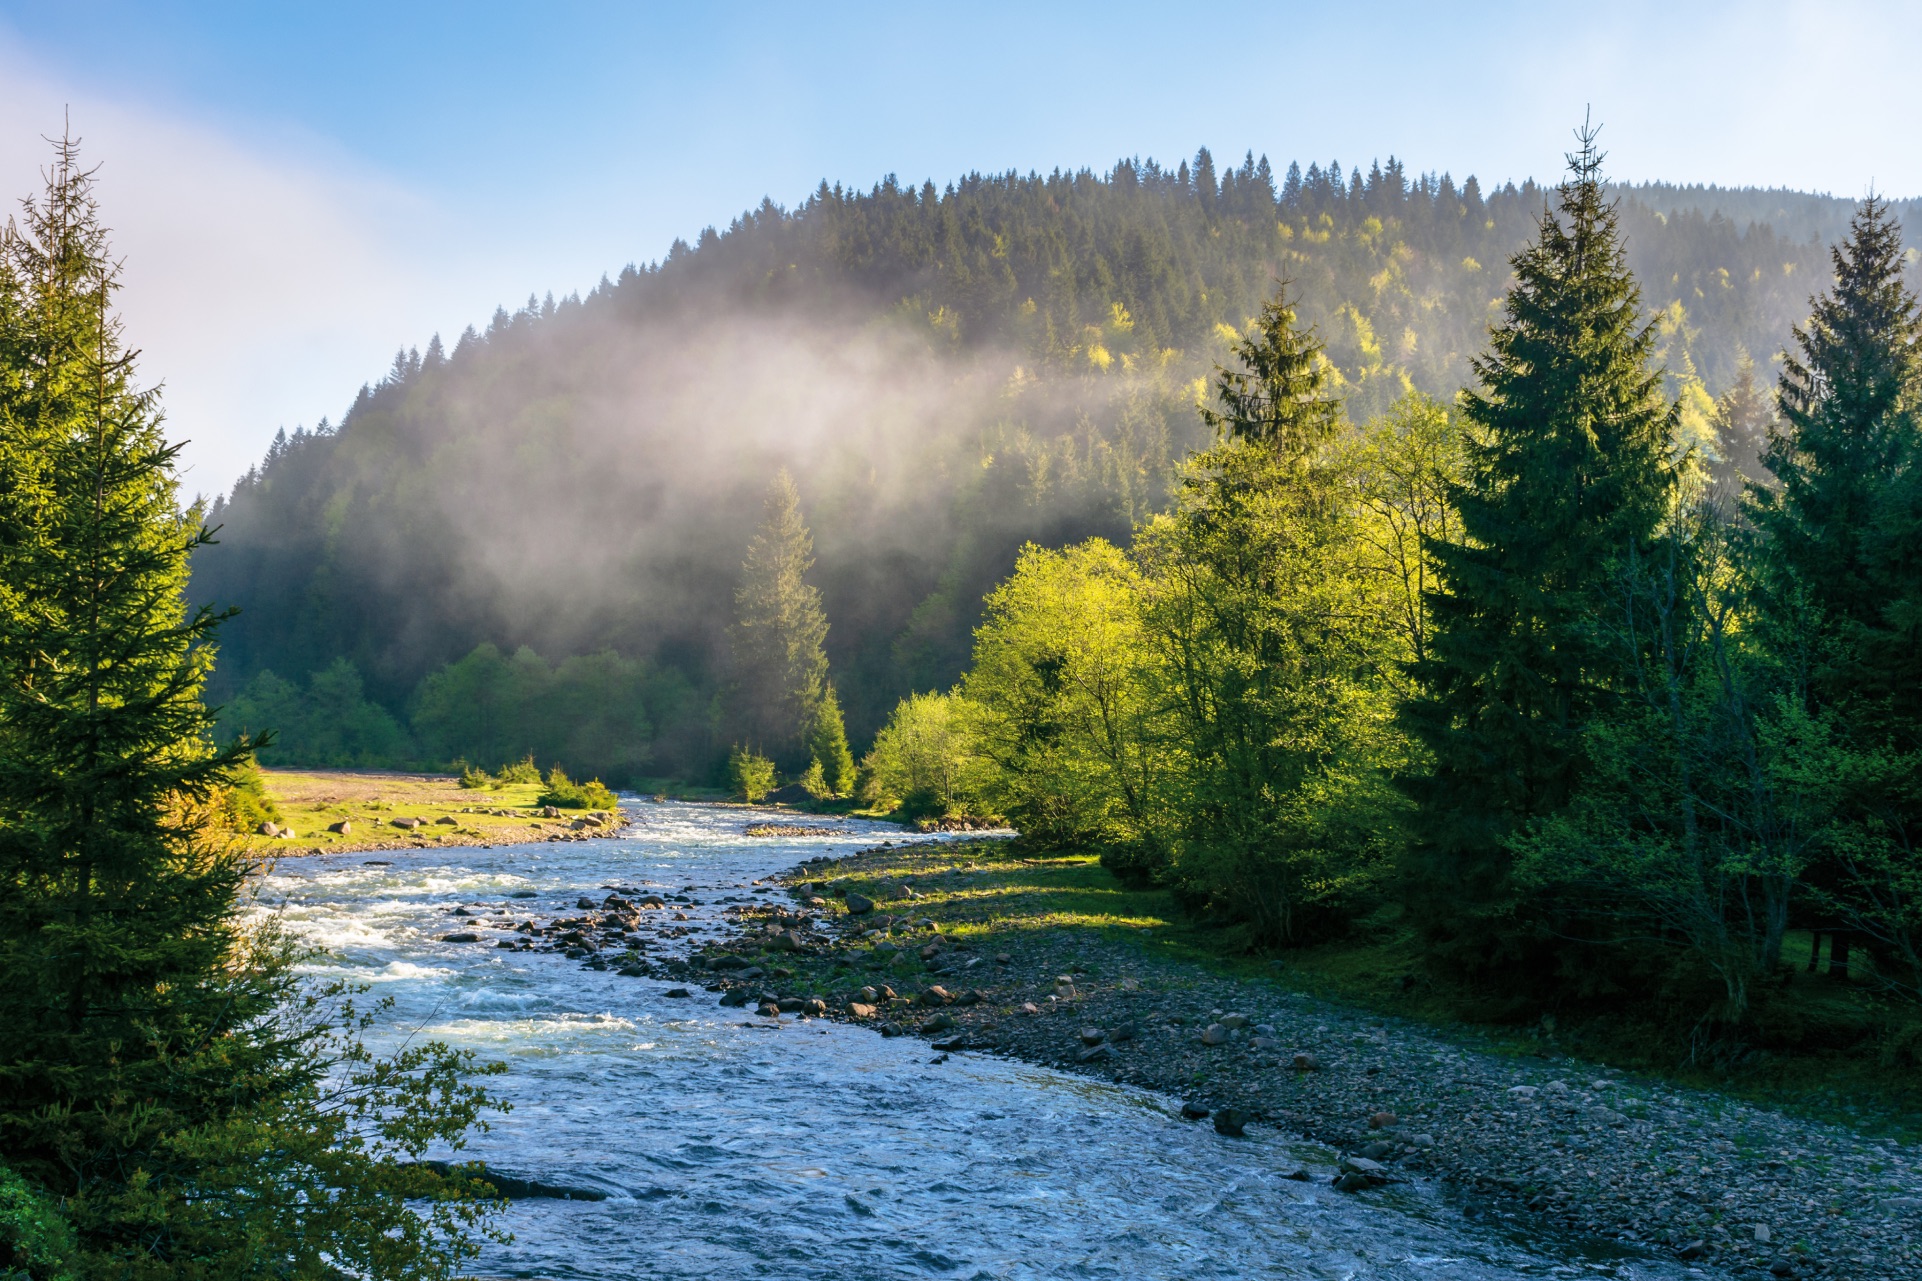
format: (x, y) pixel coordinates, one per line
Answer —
(1823, 1044)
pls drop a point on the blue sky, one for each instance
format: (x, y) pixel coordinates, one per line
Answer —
(299, 189)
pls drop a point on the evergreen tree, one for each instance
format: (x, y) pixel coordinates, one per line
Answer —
(1841, 566)
(162, 1079)
(1272, 642)
(1744, 419)
(1849, 404)
(780, 667)
(828, 745)
(1569, 471)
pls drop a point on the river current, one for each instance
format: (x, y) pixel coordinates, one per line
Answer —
(821, 1150)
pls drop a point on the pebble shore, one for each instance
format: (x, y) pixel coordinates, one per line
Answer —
(1731, 1188)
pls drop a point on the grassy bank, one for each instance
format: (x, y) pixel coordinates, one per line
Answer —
(1816, 1052)
(369, 802)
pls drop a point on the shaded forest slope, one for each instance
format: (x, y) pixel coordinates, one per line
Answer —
(946, 373)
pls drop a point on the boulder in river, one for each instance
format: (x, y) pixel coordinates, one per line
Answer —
(1373, 1172)
(1232, 1122)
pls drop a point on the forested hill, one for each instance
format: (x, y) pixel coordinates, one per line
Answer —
(946, 372)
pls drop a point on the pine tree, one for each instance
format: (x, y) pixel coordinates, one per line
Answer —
(1849, 401)
(162, 1078)
(828, 746)
(1744, 418)
(1569, 472)
(1270, 644)
(1840, 564)
(780, 667)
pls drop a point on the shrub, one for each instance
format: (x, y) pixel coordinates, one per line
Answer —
(246, 803)
(35, 1241)
(564, 793)
(521, 771)
(750, 776)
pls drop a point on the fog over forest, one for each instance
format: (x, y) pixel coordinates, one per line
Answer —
(947, 373)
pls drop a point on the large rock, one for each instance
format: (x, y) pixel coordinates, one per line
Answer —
(1362, 1167)
(1232, 1122)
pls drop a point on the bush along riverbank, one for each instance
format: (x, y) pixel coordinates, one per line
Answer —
(978, 946)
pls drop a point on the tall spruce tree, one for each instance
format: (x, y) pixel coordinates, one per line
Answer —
(162, 1078)
(1744, 418)
(1570, 470)
(780, 667)
(1850, 398)
(1841, 566)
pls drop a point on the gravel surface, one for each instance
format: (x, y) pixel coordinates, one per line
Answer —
(1737, 1189)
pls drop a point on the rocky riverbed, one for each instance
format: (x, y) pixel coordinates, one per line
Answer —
(1556, 1145)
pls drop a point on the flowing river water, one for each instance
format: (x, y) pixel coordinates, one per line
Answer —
(820, 1150)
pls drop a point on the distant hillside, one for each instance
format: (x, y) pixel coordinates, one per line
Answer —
(947, 372)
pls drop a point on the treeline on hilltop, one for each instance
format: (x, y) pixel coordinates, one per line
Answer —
(947, 374)
(1533, 680)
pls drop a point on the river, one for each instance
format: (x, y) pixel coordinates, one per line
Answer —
(822, 1150)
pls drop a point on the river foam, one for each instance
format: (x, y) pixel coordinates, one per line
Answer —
(820, 1150)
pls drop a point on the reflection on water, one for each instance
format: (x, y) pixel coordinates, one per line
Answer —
(818, 1150)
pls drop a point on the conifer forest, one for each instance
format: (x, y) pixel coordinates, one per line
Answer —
(1497, 607)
